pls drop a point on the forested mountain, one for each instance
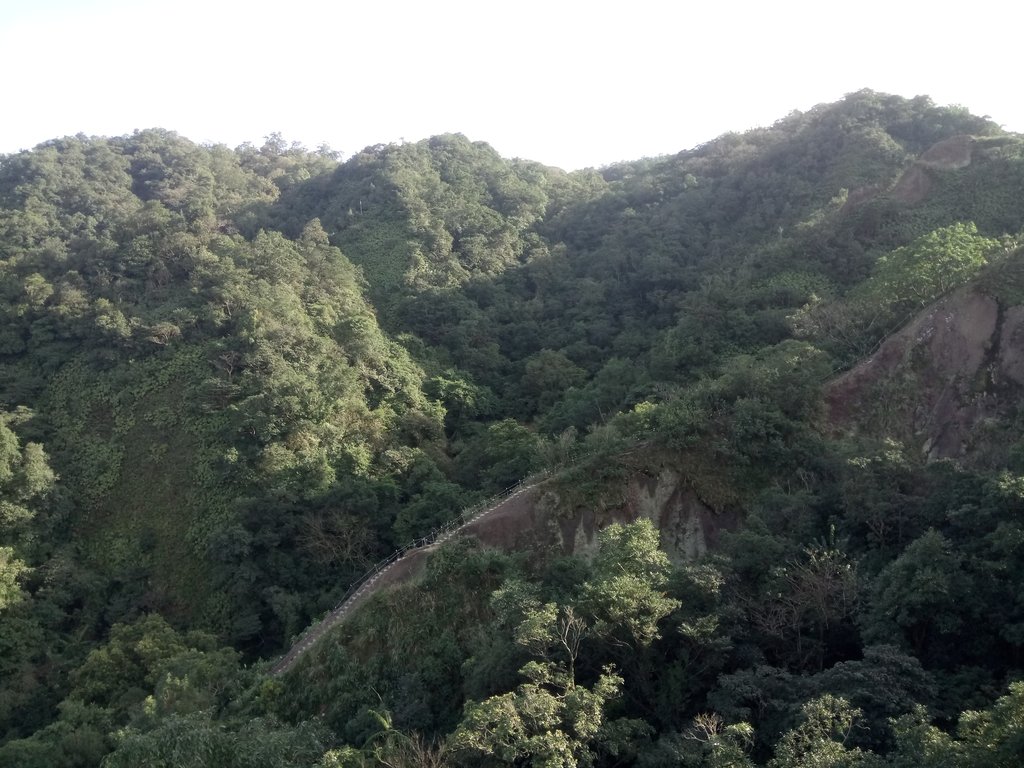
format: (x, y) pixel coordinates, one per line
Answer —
(233, 379)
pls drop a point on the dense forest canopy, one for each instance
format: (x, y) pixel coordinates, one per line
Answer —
(232, 379)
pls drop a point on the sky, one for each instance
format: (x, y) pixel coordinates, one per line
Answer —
(566, 83)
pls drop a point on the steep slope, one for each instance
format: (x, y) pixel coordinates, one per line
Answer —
(599, 289)
(948, 384)
(205, 396)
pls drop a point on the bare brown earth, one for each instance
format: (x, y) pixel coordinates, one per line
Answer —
(942, 382)
(949, 154)
(688, 526)
(501, 525)
(914, 184)
(539, 520)
(533, 518)
(512, 525)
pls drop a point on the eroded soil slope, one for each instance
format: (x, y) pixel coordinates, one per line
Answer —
(947, 384)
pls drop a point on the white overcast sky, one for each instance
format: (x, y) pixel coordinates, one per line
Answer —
(567, 83)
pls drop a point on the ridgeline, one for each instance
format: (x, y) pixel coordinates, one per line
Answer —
(234, 381)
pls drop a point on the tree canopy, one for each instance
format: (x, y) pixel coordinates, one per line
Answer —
(231, 380)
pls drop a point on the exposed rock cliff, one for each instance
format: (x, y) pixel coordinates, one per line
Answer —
(948, 383)
(539, 520)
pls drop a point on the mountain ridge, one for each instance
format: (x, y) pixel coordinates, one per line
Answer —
(232, 380)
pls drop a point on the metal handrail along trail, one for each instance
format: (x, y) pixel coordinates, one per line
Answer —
(359, 587)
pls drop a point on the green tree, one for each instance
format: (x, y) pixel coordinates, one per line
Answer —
(550, 720)
(930, 266)
(197, 741)
(546, 375)
(626, 595)
(721, 745)
(25, 481)
(989, 738)
(919, 743)
(820, 740)
(922, 597)
(995, 736)
(499, 456)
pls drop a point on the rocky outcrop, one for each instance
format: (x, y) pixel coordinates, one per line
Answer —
(532, 518)
(942, 382)
(949, 154)
(914, 184)
(540, 519)
(688, 526)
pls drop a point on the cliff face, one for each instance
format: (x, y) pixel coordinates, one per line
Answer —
(688, 526)
(539, 520)
(948, 383)
(915, 183)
